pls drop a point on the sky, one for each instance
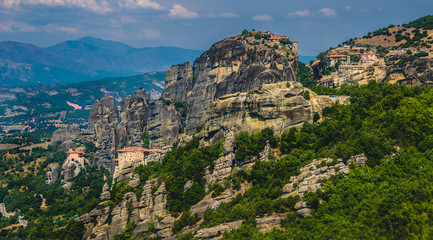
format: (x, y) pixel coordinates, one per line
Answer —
(197, 24)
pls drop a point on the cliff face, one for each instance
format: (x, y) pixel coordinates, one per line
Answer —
(178, 82)
(103, 121)
(278, 106)
(231, 66)
(134, 114)
(418, 72)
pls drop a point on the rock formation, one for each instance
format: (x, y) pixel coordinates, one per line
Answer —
(178, 82)
(63, 134)
(418, 72)
(53, 173)
(134, 114)
(163, 124)
(103, 121)
(231, 66)
(278, 106)
(71, 168)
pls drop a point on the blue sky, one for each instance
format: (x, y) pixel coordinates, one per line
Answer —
(196, 24)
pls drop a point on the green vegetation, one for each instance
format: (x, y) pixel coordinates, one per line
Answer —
(388, 198)
(411, 58)
(146, 139)
(183, 164)
(306, 95)
(185, 220)
(23, 178)
(249, 146)
(305, 76)
(424, 22)
(181, 107)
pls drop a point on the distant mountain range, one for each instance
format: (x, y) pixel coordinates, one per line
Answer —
(81, 60)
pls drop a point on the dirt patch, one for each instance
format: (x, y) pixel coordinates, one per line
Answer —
(8, 146)
(42, 145)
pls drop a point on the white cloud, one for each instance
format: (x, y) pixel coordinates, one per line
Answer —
(55, 28)
(150, 34)
(327, 12)
(14, 26)
(262, 18)
(348, 8)
(180, 12)
(301, 13)
(9, 3)
(99, 7)
(135, 4)
(222, 15)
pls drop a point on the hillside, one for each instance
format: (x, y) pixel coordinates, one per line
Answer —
(395, 54)
(416, 35)
(46, 107)
(82, 60)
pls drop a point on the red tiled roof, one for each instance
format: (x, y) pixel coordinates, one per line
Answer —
(357, 53)
(294, 41)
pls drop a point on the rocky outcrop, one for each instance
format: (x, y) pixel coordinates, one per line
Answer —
(72, 167)
(163, 124)
(103, 121)
(210, 203)
(278, 106)
(269, 222)
(232, 66)
(150, 207)
(418, 72)
(217, 231)
(53, 172)
(134, 114)
(105, 195)
(63, 134)
(124, 212)
(311, 176)
(178, 82)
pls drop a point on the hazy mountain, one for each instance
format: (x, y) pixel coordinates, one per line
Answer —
(82, 60)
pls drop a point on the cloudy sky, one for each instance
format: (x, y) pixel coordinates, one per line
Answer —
(196, 24)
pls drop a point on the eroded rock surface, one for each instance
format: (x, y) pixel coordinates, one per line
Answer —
(53, 173)
(278, 106)
(231, 66)
(178, 82)
(103, 121)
